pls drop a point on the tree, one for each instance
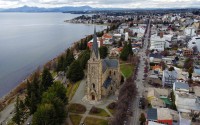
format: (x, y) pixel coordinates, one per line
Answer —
(34, 93)
(190, 71)
(59, 90)
(45, 115)
(18, 113)
(84, 57)
(60, 64)
(142, 119)
(103, 51)
(47, 79)
(69, 58)
(75, 72)
(52, 109)
(130, 48)
(125, 52)
(188, 63)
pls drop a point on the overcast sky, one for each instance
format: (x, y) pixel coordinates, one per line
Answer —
(102, 3)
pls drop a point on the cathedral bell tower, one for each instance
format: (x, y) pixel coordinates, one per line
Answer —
(94, 72)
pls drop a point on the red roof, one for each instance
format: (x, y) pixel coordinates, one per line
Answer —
(106, 36)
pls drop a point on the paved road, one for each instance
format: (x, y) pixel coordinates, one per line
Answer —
(7, 114)
(139, 81)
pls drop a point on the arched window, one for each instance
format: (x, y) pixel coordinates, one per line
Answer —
(110, 72)
(93, 85)
(114, 73)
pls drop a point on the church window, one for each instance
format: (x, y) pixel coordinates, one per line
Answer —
(110, 72)
(93, 85)
(114, 72)
(111, 88)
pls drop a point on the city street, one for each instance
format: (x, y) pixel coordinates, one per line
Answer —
(139, 81)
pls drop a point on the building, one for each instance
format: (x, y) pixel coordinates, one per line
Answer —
(181, 87)
(157, 43)
(187, 52)
(103, 76)
(160, 115)
(195, 41)
(169, 77)
(99, 43)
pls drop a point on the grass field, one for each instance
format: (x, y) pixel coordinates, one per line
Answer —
(75, 119)
(95, 121)
(77, 108)
(101, 112)
(71, 89)
(127, 70)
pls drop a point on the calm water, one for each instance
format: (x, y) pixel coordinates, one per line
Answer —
(28, 40)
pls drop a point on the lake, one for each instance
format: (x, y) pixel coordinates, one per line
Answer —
(28, 40)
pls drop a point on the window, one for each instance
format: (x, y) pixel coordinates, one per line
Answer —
(114, 72)
(93, 85)
(110, 72)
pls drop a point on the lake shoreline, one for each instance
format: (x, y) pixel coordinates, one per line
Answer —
(9, 98)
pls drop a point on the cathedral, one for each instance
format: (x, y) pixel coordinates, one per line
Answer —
(103, 75)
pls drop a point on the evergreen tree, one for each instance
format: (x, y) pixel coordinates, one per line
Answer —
(45, 115)
(130, 48)
(75, 72)
(142, 119)
(60, 64)
(125, 52)
(59, 90)
(69, 58)
(18, 115)
(84, 57)
(103, 51)
(47, 79)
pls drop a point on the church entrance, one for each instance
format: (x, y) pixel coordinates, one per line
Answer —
(93, 97)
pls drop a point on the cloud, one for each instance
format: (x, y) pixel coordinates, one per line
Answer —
(102, 3)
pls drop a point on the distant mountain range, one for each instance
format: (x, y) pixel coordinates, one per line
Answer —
(70, 9)
(40, 9)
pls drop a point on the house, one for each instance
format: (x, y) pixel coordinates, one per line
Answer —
(186, 102)
(160, 115)
(169, 77)
(187, 52)
(99, 42)
(158, 98)
(195, 41)
(114, 52)
(107, 39)
(196, 75)
(157, 43)
(190, 31)
(181, 87)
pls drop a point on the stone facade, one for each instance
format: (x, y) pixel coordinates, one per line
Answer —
(103, 76)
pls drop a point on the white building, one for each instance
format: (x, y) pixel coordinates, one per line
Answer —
(126, 36)
(195, 41)
(190, 31)
(169, 77)
(157, 43)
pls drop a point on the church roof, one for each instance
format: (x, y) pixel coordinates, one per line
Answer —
(109, 63)
(95, 44)
(107, 82)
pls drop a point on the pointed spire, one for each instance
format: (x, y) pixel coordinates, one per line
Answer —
(95, 44)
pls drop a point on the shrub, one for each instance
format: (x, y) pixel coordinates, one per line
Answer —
(112, 105)
(94, 110)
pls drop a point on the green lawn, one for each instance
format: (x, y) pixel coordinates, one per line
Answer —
(112, 111)
(95, 121)
(101, 112)
(75, 119)
(77, 108)
(71, 89)
(127, 70)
